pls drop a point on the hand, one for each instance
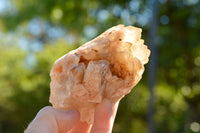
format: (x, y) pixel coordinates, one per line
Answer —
(50, 120)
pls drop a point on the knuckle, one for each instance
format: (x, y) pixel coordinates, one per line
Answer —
(47, 109)
(45, 112)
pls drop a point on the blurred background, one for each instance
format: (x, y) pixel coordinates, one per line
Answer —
(34, 33)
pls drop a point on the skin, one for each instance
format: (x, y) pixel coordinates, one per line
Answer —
(50, 120)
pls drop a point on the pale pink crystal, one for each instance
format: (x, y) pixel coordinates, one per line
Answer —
(108, 67)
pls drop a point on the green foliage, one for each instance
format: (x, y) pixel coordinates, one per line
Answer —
(73, 14)
(24, 91)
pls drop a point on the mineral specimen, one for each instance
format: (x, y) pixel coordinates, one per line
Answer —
(108, 67)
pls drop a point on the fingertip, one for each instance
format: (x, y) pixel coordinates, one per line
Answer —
(54, 120)
(103, 120)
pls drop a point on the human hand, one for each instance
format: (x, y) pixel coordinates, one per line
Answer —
(50, 120)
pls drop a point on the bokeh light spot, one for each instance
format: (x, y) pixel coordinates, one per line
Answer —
(30, 61)
(57, 13)
(197, 61)
(55, 32)
(162, 1)
(116, 10)
(134, 6)
(125, 14)
(90, 31)
(164, 19)
(102, 15)
(70, 38)
(143, 18)
(190, 2)
(195, 127)
(185, 90)
(36, 26)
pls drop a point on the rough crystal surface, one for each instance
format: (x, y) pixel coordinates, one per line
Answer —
(109, 66)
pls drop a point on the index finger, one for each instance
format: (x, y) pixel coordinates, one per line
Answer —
(104, 117)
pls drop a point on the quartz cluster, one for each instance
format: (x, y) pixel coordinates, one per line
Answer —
(108, 67)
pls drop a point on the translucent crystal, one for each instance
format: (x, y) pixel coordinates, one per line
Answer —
(108, 67)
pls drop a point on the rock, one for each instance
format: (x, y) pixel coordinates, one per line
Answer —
(108, 67)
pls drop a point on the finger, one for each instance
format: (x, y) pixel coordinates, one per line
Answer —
(50, 120)
(81, 127)
(115, 107)
(66, 120)
(104, 117)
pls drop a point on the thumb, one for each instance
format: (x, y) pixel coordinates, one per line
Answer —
(50, 120)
